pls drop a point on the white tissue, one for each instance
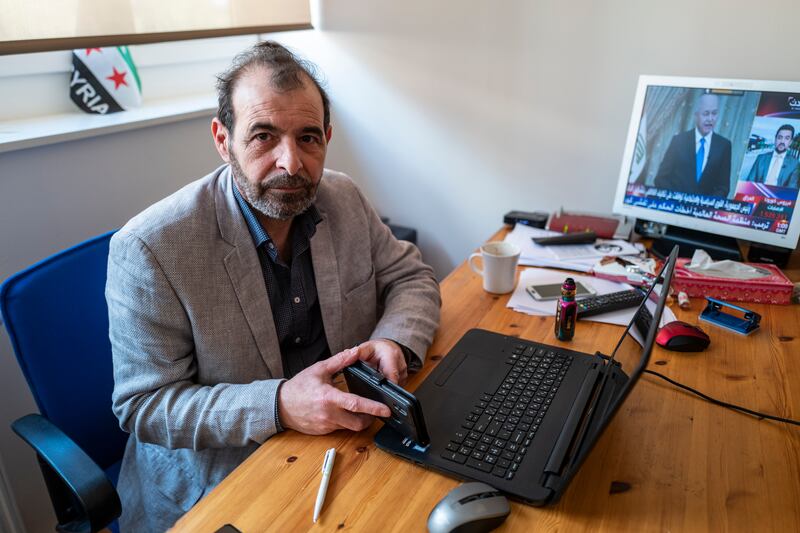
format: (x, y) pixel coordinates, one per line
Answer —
(703, 264)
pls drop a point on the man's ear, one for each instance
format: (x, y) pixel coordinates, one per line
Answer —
(328, 133)
(221, 137)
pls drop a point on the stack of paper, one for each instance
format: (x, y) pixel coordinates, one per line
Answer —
(580, 257)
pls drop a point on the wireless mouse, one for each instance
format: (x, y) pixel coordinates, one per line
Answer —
(469, 508)
(682, 337)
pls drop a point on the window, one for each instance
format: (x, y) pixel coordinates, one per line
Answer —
(42, 25)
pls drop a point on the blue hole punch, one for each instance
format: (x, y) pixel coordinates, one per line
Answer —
(744, 325)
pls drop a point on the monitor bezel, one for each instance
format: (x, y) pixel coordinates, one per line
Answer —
(789, 240)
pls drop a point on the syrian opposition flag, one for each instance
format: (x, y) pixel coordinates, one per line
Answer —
(104, 80)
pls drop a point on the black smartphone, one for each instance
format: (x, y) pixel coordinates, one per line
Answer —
(406, 417)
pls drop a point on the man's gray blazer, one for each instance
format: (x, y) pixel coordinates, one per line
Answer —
(787, 177)
(196, 357)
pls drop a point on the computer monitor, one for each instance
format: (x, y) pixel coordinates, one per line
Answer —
(716, 156)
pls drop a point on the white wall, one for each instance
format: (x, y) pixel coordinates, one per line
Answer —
(451, 113)
(448, 113)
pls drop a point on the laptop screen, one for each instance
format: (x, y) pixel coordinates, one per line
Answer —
(646, 321)
(629, 356)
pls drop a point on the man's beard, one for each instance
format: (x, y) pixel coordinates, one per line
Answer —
(780, 148)
(263, 197)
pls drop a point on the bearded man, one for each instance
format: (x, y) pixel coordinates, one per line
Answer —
(228, 298)
(778, 167)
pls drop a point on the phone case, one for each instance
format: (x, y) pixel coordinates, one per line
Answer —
(406, 418)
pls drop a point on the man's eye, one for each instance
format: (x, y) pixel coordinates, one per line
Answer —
(308, 139)
(263, 136)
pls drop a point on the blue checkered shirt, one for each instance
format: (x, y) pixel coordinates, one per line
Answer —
(292, 289)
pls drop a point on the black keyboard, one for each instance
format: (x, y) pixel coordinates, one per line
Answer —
(643, 320)
(498, 431)
(604, 303)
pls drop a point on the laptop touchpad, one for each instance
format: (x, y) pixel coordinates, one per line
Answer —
(471, 372)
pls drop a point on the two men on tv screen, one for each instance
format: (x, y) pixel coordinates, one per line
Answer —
(698, 161)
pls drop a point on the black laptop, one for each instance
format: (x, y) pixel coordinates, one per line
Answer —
(520, 415)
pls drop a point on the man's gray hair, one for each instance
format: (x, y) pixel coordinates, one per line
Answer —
(287, 72)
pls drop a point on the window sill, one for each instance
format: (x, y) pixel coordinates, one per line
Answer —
(41, 131)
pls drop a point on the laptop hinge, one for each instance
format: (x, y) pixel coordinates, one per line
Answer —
(568, 432)
(552, 482)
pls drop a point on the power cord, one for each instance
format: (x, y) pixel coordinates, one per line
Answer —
(721, 403)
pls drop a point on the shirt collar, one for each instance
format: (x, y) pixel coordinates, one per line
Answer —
(698, 136)
(307, 220)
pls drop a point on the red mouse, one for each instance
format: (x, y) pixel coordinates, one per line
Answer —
(682, 337)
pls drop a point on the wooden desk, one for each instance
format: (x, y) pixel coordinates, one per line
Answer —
(668, 462)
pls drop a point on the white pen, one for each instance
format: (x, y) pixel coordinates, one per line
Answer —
(327, 468)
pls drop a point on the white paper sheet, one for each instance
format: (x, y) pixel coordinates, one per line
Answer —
(601, 248)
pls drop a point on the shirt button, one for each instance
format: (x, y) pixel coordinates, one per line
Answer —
(297, 299)
(271, 246)
(297, 340)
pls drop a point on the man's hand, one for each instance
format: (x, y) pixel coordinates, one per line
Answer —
(387, 357)
(309, 403)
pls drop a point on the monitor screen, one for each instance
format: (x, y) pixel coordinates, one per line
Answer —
(719, 156)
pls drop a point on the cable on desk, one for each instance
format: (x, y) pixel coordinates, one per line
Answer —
(721, 403)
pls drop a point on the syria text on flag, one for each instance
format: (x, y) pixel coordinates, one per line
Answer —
(104, 80)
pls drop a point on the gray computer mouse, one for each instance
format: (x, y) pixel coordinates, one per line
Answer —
(469, 508)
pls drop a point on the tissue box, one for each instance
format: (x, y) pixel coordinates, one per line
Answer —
(773, 289)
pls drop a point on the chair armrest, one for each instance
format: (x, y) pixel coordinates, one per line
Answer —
(82, 495)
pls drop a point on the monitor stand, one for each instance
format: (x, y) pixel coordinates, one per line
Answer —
(688, 240)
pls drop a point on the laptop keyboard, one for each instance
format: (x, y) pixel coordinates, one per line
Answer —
(498, 431)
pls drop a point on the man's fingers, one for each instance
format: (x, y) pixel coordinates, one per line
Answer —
(391, 369)
(353, 421)
(367, 351)
(341, 360)
(357, 404)
(392, 375)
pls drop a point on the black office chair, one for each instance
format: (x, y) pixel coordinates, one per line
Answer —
(56, 317)
(401, 233)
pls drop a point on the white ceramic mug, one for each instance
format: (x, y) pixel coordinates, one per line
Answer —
(499, 266)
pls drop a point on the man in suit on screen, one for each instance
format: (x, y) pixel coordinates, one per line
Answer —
(698, 161)
(777, 167)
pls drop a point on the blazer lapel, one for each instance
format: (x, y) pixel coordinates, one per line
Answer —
(785, 172)
(763, 168)
(326, 274)
(244, 270)
(713, 155)
(687, 179)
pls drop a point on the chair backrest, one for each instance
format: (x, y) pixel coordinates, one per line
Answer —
(56, 316)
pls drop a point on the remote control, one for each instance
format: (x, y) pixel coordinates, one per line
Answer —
(578, 237)
(604, 303)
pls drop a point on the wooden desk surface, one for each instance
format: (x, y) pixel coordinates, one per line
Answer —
(668, 462)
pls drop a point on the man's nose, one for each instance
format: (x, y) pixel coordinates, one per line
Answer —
(289, 157)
